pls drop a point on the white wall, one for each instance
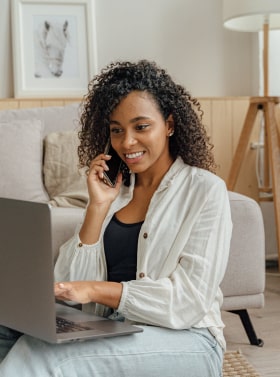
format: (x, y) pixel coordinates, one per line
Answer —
(184, 36)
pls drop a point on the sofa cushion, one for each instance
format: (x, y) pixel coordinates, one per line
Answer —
(64, 182)
(21, 160)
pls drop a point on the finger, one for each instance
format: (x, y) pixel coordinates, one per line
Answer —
(59, 293)
(97, 168)
(61, 288)
(61, 298)
(96, 171)
(119, 181)
(65, 286)
(106, 156)
(101, 159)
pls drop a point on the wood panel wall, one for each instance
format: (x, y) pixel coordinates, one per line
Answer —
(223, 118)
(12, 103)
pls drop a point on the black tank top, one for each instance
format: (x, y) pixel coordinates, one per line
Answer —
(120, 244)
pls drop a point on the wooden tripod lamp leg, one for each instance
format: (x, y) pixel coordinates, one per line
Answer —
(242, 145)
(274, 154)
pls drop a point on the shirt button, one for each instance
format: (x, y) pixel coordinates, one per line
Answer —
(141, 275)
(80, 244)
(145, 235)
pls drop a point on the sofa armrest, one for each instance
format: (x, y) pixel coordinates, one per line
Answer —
(245, 273)
(63, 224)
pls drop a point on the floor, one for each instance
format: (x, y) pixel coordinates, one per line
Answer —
(266, 321)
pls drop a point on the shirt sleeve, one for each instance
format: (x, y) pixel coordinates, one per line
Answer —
(78, 261)
(191, 291)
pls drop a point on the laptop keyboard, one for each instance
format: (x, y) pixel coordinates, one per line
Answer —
(64, 325)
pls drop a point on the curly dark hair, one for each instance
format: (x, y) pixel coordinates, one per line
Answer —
(116, 81)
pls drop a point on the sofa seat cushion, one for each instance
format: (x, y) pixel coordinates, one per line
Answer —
(64, 182)
(21, 160)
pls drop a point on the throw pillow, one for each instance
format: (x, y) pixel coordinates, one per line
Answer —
(65, 184)
(21, 160)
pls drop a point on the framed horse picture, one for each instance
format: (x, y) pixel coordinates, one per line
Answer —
(54, 47)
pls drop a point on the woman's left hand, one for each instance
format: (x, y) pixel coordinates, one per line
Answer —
(78, 291)
(103, 292)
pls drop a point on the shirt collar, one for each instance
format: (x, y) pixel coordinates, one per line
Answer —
(168, 178)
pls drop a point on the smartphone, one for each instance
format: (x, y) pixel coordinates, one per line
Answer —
(114, 165)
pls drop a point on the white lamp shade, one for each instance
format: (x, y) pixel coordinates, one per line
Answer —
(250, 15)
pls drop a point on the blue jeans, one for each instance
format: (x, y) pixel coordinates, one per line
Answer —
(157, 352)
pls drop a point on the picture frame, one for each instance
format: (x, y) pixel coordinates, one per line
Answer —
(54, 47)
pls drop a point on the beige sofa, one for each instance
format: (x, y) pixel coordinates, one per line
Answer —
(39, 163)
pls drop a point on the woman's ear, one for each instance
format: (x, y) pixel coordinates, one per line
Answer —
(170, 125)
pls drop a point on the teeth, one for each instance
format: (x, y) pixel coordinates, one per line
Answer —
(134, 155)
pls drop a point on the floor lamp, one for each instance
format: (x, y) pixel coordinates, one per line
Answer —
(254, 16)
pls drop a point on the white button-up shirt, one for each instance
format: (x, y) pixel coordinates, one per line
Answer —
(183, 250)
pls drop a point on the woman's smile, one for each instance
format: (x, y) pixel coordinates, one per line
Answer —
(133, 158)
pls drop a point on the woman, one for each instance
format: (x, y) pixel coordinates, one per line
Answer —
(154, 248)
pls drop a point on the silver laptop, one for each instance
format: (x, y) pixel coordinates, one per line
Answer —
(26, 280)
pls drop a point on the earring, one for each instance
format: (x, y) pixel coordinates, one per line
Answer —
(171, 133)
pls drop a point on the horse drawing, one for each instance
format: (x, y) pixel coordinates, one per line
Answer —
(50, 41)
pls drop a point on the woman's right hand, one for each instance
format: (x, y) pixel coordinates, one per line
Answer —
(100, 198)
(99, 192)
